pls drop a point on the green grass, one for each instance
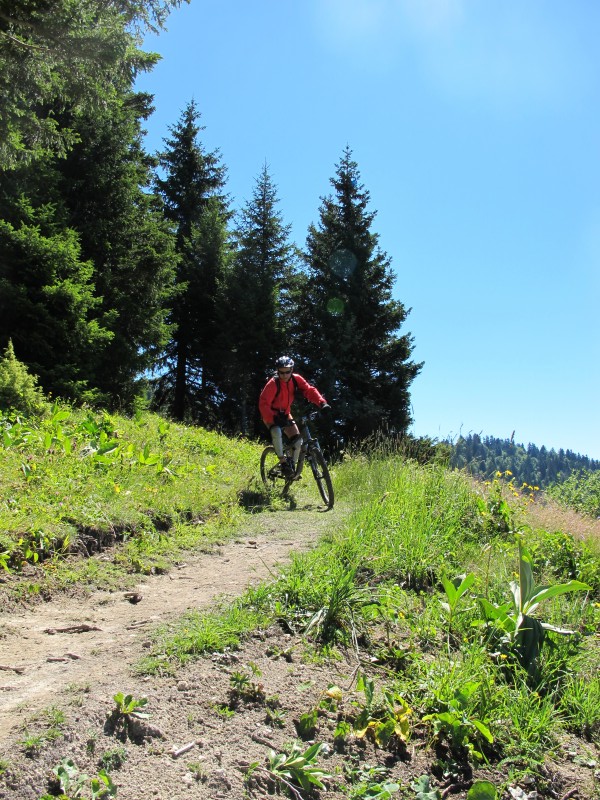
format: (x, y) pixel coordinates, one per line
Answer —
(77, 483)
(580, 491)
(376, 580)
(211, 632)
(49, 727)
(373, 585)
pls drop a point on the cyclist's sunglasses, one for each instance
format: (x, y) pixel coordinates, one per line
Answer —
(284, 371)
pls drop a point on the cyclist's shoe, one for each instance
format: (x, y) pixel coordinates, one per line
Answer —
(284, 470)
(287, 469)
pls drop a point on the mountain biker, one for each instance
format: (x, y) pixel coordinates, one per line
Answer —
(275, 406)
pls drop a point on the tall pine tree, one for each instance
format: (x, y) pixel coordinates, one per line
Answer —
(348, 320)
(47, 301)
(191, 185)
(60, 55)
(84, 258)
(259, 285)
(104, 187)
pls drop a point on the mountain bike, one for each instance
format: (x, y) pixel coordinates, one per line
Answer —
(271, 470)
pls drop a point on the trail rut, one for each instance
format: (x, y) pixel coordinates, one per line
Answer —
(113, 626)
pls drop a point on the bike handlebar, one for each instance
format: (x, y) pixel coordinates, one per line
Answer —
(309, 417)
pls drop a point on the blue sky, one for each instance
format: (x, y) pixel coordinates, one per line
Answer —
(476, 128)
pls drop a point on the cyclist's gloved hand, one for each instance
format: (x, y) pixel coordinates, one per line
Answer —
(325, 407)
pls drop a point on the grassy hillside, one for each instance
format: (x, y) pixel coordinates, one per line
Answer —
(76, 482)
(464, 616)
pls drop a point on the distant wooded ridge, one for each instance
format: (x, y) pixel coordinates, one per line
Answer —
(484, 456)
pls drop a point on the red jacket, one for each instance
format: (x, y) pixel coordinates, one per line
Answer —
(271, 403)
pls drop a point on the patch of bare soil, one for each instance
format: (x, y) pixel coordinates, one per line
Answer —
(77, 653)
(201, 735)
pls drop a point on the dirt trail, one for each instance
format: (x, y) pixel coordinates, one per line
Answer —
(199, 744)
(95, 641)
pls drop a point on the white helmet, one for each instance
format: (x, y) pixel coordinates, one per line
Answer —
(284, 362)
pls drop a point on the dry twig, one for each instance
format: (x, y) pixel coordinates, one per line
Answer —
(83, 628)
(7, 668)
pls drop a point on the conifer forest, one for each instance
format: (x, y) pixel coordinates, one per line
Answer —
(127, 276)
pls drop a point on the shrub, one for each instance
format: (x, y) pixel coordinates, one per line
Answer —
(18, 388)
(580, 491)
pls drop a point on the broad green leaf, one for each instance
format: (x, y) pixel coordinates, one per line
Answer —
(565, 631)
(108, 447)
(313, 751)
(482, 790)
(463, 694)
(493, 612)
(526, 580)
(423, 789)
(547, 592)
(466, 583)
(384, 732)
(483, 730)
(449, 588)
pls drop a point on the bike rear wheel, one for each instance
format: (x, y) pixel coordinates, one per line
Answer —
(270, 469)
(321, 475)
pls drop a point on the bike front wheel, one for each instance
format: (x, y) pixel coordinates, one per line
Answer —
(320, 471)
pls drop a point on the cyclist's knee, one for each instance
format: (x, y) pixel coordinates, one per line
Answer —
(296, 445)
(277, 439)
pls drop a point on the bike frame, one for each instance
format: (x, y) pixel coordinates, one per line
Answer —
(311, 452)
(309, 442)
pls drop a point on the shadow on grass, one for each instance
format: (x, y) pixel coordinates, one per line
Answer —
(256, 501)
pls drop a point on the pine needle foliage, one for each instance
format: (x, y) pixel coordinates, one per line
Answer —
(349, 322)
